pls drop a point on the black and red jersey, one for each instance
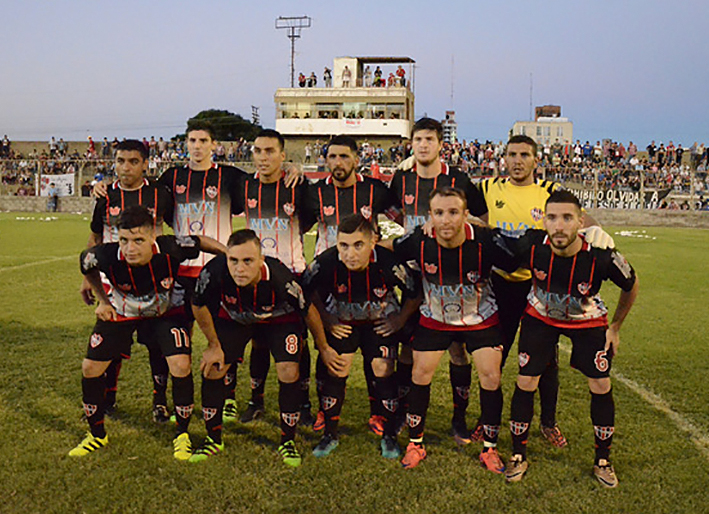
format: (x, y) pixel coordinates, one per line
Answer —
(359, 296)
(411, 192)
(565, 289)
(141, 291)
(276, 298)
(327, 204)
(273, 211)
(456, 286)
(204, 201)
(107, 209)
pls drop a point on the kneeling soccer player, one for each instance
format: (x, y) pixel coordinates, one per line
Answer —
(141, 269)
(567, 274)
(240, 296)
(354, 288)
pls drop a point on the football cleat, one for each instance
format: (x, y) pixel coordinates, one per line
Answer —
(326, 446)
(319, 422)
(306, 418)
(605, 474)
(516, 468)
(289, 454)
(390, 448)
(415, 453)
(376, 424)
(208, 449)
(230, 414)
(490, 460)
(477, 434)
(252, 413)
(89, 444)
(160, 414)
(554, 436)
(461, 434)
(182, 447)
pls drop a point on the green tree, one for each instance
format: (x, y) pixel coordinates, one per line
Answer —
(228, 126)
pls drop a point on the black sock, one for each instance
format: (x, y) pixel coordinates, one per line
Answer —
(603, 418)
(332, 400)
(93, 391)
(460, 384)
(374, 408)
(321, 375)
(419, 398)
(111, 374)
(521, 416)
(258, 368)
(212, 407)
(388, 398)
(491, 414)
(403, 382)
(183, 398)
(160, 372)
(304, 376)
(230, 382)
(549, 393)
(289, 403)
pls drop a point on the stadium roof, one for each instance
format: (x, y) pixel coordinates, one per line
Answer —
(386, 60)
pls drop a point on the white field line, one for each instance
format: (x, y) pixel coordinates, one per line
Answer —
(37, 263)
(696, 434)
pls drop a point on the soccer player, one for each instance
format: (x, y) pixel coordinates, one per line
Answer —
(141, 268)
(245, 295)
(454, 266)
(567, 273)
(514, 204)
(412, 189)
(354, 288)
(131, 188)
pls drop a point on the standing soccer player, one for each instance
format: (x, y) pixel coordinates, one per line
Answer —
(567, 273)
(142, 269)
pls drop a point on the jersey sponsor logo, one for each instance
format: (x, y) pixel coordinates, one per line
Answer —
(90, 409)
(391, 404)
(167, 282)
(409, 199)
(380, 291)
(512, 230)
(518, 428)
(95, 340)
(473, 276)
(212, 192)
(499, 204)
(328, 210)
(252, 203)
(452, 308)
(603, 433)
(584, 288)
(114, 211)
(463, 391)
(290, 418)
(289, 208)
(328, 402)
(197, 208)
(430, 268)
(208, 413)
(269, 224)
(413, 420)
(537, 214)
(366, 211)
(184, 411)
(412, 221)
(540, 274)
(180, 189)
(341, 288)
(523, 359)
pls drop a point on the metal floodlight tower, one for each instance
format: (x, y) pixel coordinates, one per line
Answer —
(294, 24)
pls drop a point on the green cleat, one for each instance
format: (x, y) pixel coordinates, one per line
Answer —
(208, 449)
(289, 454)
(326, 446)
(182, 447)
(88, 445)
(230, 414)
(390, 448)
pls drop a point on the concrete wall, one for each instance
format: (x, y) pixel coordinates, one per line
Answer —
(39, 204)
(657, 218)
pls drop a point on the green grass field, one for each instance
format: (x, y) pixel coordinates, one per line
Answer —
(44, 328)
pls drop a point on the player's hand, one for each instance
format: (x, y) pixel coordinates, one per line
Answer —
(213, 356)
(335, 362)
(612, 340)
(428, 228)
(389, 325)
(106, 312)
(294, 175)
(597, 237)
(86, 292)
(100, 189)
(340, 331)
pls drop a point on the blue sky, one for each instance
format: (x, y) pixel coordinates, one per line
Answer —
(627, 70)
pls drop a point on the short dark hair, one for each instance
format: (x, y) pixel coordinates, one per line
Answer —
(272, 134)
(135, 216)
(520, 138)
(243, 236)
(356, 223)
(133, 145)
(206, 125)
(563, 196)
(428, 124)
(343, 140)
(447, 191)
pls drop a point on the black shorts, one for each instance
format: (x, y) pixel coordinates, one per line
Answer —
(284, 340)
(373, 345)
(538, 346)
(182, 295)
(511, 298)
(430, 340)
(113, 339)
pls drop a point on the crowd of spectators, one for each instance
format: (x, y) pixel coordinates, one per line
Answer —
(376, 78)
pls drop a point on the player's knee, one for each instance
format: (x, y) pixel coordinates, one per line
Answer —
(526, 383)
(599, 385)
(489, 378)
(180, 365)
(93, 369)
(382, 367)
(288, 372)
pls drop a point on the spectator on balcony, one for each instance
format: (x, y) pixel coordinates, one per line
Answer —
(346, 77)
(367, 76)
(378, 80)
(301, 80)
(327, 77)
(312, 80)
(401, 74)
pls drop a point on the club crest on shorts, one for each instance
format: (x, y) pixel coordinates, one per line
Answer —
(288, 208)
(380, 291)
(473, 276)
(366, 211)
(252, 203)
(167, 282)
(409, 199)
(90, 410)
(328, 210)
(180, 189)
(540, 274)
(603, 433)
(212, 192)
(523, 359)
(114, 211)
(518, 428)
(95, 340)
(413, 420)
(584, 288)
(328, 402)
(185, 411)
(208, 413)
(430, 268)
(290, 418)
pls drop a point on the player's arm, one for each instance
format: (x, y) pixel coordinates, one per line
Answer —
(294, 175)
(333, 360)
(625, 303)
(211, 245)
(213, 355)
(104, 309)
(85, 290)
